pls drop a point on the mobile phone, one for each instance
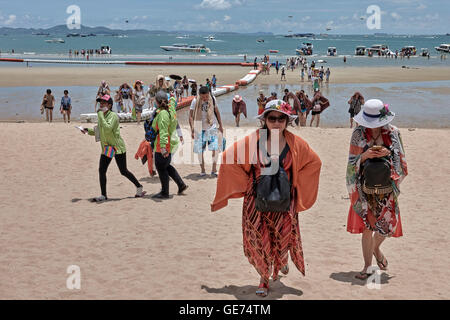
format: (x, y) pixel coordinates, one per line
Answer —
(376, 148)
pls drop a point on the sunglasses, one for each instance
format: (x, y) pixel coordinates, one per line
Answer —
(273, 119)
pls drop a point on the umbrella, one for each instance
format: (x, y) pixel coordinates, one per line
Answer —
(192, 81)
(175, 77)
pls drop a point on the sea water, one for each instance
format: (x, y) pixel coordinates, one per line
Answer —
(416, 104)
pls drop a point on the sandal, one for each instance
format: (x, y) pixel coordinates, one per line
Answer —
(363, 275)
(263, 290)
(285, 270)
(383, 266)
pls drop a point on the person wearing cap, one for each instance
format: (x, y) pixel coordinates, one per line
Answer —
(166, 143)
(376, 216)
(261, 101)
(205, 121)
(108, 127)
(238, 107)
(103, 89)
(268, 237)
(138, 99)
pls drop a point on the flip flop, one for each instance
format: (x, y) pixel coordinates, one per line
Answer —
(363, 275)
(263, 290)
(380, 263)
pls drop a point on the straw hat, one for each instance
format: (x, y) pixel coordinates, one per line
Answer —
(279, 106)
(374, 114)
(237, 98)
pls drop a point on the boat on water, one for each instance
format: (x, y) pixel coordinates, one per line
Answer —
(41, 34)
(183, 37)
(201, 48)
(260, 40)
(72, 35)
(273, 51)
(444, 47)
(301, 35)
(305, 49)
(409, 50)
(378, 49)
(210, 38)
(55, 41)
(360, 51)
(424, 52)
(332, 51)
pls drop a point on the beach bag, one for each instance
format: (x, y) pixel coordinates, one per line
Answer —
(273, 192)
(377, 176)
(109, 151)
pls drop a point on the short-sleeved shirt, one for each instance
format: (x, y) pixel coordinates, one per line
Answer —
(66, 102)
(205, 125)
(49, 98)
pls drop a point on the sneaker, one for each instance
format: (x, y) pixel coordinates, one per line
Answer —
(160, 196)
(140, 192)
(102, 198)
(182, 189)
(214, 174)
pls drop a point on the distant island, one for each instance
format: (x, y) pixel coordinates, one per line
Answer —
(62, 30)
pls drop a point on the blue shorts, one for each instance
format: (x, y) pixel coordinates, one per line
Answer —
(211, 139)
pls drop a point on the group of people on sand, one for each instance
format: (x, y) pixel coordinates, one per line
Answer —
(277, 173)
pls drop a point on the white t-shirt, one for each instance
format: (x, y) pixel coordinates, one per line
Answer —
(205, 125)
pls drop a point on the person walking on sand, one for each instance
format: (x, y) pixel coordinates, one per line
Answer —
(238, 107)
(49, 103)
(283, 73)
(327, 74)
(103, 89)
(185, 84)
(319, 103)
(66, 106)
(270, 228)
(166, 143)
(355, 102)
(112, 146)
(206, 128)
(376, 167)
(138, 99)
(214, 82)
(127, 96)
(277, 66)
(255, 65)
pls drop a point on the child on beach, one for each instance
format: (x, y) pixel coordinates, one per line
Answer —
(66, 106)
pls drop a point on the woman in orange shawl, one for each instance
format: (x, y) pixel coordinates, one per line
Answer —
(269, 236)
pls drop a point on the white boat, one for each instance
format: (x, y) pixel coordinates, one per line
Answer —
(443, 48)
(183, 37)
(360, 51)
(210, 38)
(55, 41)
(379, 49)
(332, 51)
(305, 49)
(409, 50)
(186, 47)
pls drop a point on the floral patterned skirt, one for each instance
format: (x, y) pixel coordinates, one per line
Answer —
(268, 238)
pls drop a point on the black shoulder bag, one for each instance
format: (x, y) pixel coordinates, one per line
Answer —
(376, 176)
(273, 192)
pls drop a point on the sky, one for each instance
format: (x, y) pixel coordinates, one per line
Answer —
(278, 17)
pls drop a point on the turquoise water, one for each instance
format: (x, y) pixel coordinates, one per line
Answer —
(416, 104)
(228, 48)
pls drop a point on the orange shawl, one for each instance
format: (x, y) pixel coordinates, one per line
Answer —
(145, 150)
(235, 171)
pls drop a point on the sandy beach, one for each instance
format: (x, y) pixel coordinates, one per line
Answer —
(131, 248)
(41, 75)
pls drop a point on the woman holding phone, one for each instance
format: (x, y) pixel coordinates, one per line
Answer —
(374, 211)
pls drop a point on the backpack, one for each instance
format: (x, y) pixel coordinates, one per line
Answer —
(376, 176)
(273, 192)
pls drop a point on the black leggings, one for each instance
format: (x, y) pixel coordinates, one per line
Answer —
(121, 160)
(166, 170)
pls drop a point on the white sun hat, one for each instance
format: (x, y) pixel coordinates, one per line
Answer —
(374, 114)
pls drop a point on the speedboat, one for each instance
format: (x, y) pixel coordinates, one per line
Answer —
(360, 51)
(305, 49)
(55, 41)
(332, 51)
(443, 48)
(260, 40)
(379, 49)
(186, 47)
(210, 38)
(273, 51)
(409, 50)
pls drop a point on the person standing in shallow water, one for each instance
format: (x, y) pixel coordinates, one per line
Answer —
(375, 212)
(49, 103)
(268, 236)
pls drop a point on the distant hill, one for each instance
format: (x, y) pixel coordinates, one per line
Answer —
(62, 30)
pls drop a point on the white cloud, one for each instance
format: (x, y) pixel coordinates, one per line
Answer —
(395, 15)
(421, 7)
(226, 18)
(215, 4)
(306, 18)
(11, 19)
